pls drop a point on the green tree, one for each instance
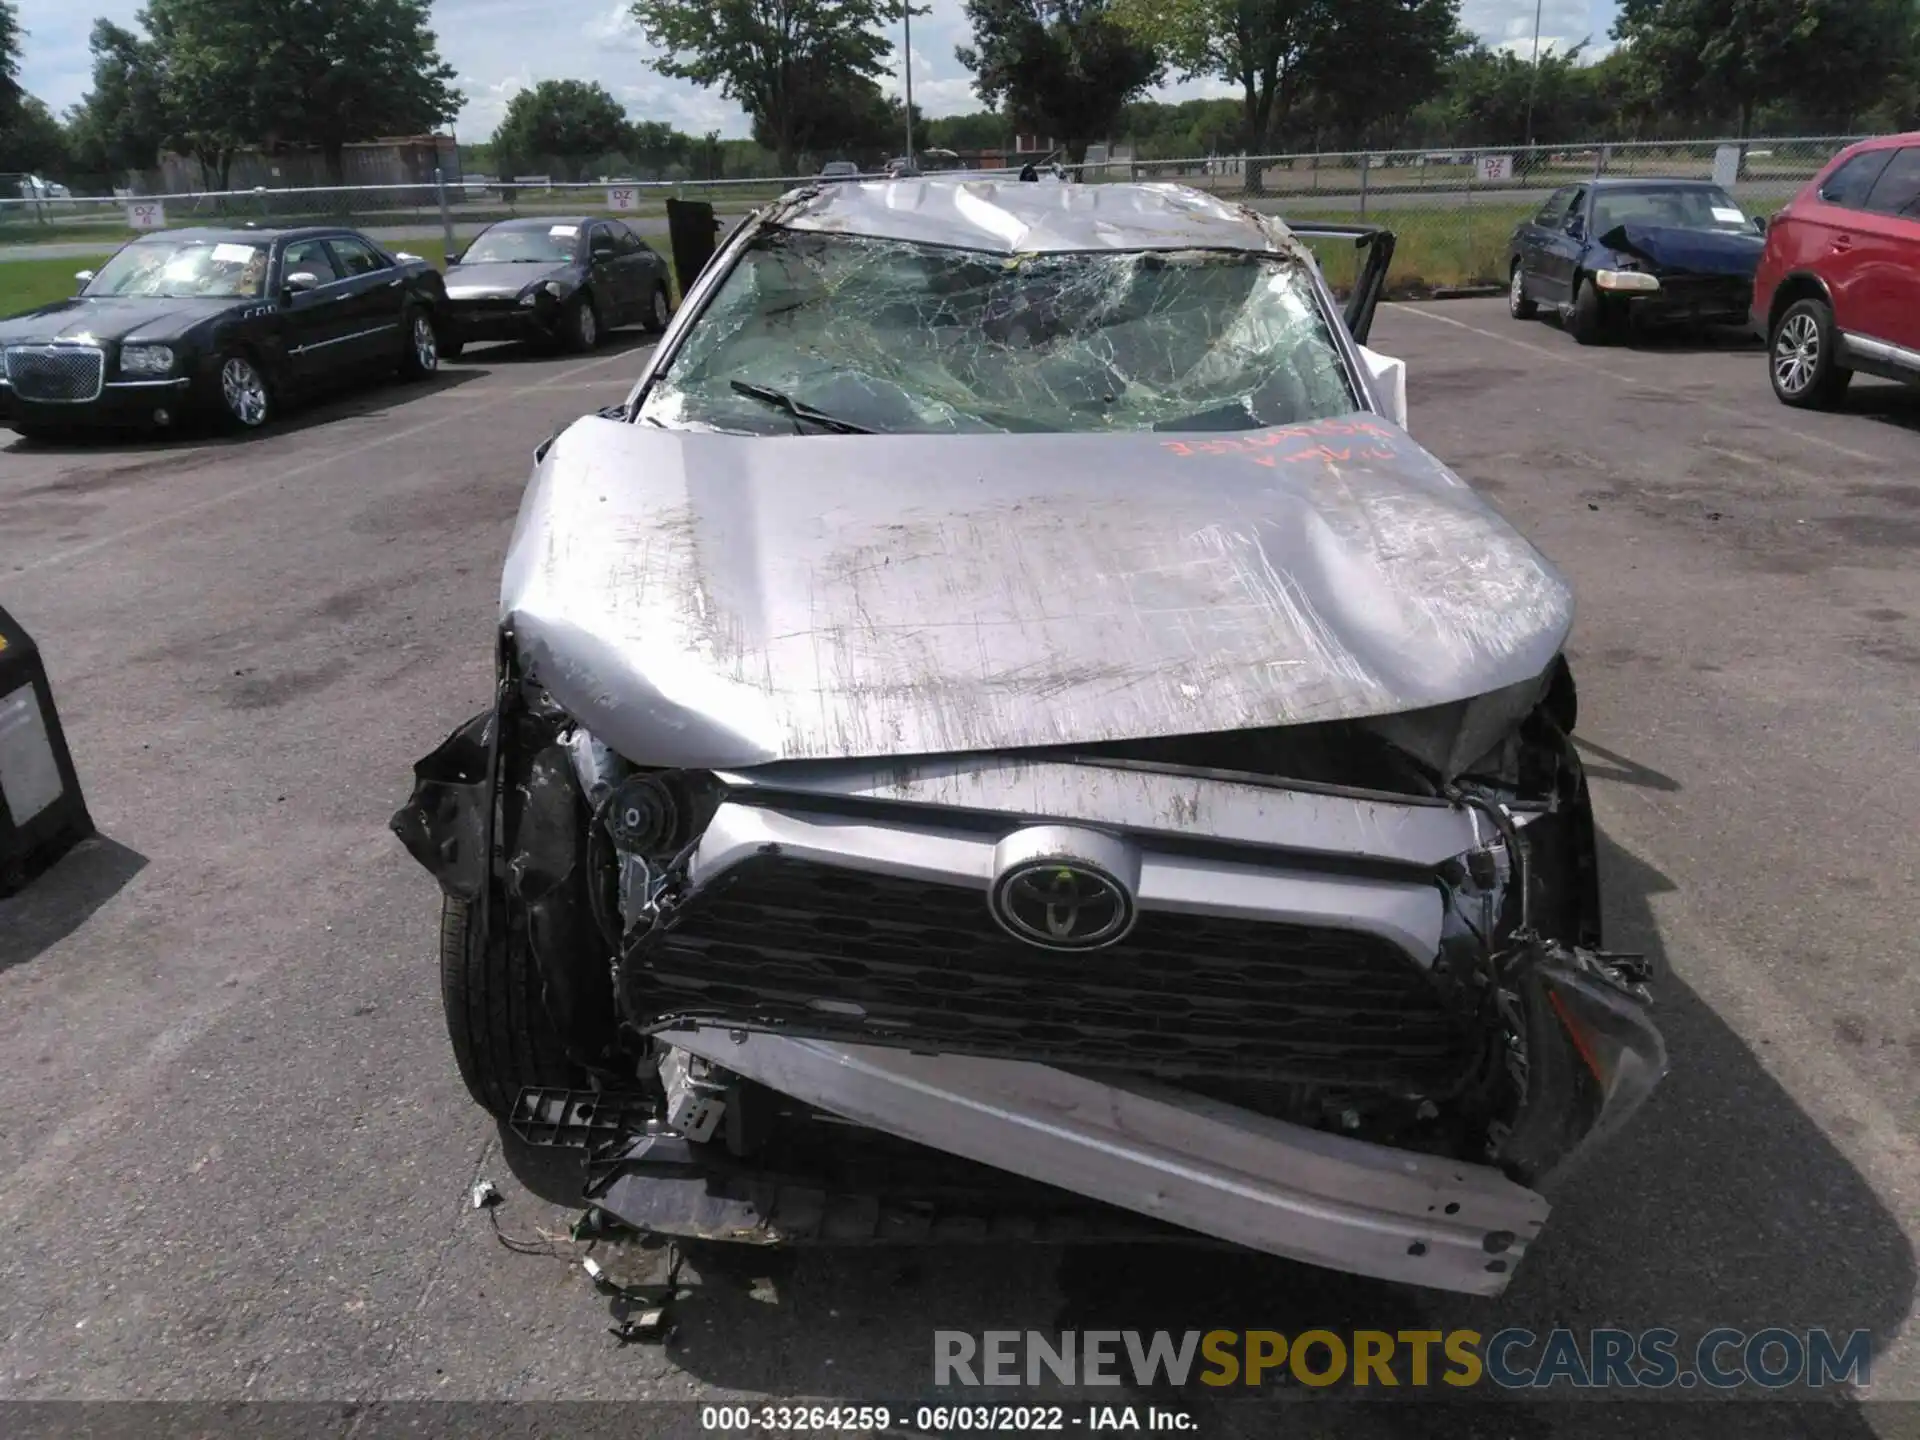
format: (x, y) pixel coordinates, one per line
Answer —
(1277, 51)
(34, 140)
(1065, 67)
(776, 58)
(982, 130)
(10, 93)
(1728, 58)
(1375, 62)
(332, 72)
(204, 51)
(656, 145)
(123, 121)
(572, 121)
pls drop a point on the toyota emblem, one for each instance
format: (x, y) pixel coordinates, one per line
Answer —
(1062, 904)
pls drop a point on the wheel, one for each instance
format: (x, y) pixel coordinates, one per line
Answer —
(659, 310)
(246, 399)
(421, 357)
(503, 1040)
(1588, 320)
(1518, 305)
(1800, 357)
(581, 329)
(452, 349)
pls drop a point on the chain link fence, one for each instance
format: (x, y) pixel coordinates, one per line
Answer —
(1452, 209)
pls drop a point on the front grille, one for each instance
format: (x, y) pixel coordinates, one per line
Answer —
(774, 939)
(59, 374)
(1717, 292)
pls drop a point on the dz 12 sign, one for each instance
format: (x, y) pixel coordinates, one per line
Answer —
(1494, 167)
(146, 215)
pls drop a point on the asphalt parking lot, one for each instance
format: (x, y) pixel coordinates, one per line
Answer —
(235, 1156)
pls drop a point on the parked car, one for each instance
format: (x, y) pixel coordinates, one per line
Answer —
(229, 323)
(839, 170)
(554, 279)
(1000, 705)
(1609, 252)
(1838, 288)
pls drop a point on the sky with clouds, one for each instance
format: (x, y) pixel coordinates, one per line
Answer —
(500, 46)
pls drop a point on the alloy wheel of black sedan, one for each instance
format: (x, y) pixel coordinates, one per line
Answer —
(422, 355)
(243, 391)
(662, 309)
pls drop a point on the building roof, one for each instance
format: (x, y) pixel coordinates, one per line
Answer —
(1022, 217)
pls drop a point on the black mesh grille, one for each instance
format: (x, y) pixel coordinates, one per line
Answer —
(767, 943)
(54, 372)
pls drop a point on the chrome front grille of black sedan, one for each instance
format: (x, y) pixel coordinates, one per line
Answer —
(58, 374)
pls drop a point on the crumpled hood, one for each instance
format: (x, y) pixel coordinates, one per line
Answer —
(86, 321)
(478, 282)
(1691, 252)
(719, 600)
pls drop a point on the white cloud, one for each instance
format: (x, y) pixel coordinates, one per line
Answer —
(500, 46)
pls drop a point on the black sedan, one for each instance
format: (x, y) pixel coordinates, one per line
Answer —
(1609, 251)
(565, 279)
(226, 323)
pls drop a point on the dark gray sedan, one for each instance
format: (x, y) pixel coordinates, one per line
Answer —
(554, 279)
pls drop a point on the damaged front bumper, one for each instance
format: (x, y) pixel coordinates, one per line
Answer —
(1222, 1171)
(1356, 1029)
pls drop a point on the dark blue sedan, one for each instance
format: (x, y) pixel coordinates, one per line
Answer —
(1608, 252)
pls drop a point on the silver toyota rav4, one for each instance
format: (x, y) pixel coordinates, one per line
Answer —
(1004, 736)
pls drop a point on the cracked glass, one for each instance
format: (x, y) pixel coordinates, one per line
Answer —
(903, 337)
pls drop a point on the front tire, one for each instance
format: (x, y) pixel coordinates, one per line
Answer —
(245, 397)
(581, 329)
(420, 356)
(1518, 305)
(1588, 320)
(503, 1039)
(1801, 357)
(659, 310)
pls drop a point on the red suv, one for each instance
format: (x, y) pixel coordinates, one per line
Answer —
(1838, 288)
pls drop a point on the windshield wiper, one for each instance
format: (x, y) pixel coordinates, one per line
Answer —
(799, 410)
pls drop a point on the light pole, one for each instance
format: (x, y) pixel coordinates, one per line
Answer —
(906, 16)
(1533, 75)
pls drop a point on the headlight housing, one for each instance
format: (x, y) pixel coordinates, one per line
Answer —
(542, 290)
(146, 359)
(1625, 278)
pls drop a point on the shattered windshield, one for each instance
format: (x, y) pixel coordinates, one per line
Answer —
(888, 335)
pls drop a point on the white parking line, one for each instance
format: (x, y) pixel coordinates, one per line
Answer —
(1640, 381)
(488, 400)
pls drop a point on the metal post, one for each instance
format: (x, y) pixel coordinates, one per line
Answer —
(906, 15)
(1466, 209)
(1533, 75)
(1364, 159)
(446, 216)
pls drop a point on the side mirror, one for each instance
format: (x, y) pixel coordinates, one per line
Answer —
(452, 257)
(1576, 227)
(1763, 223)
(299, 283)
(85, 277)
